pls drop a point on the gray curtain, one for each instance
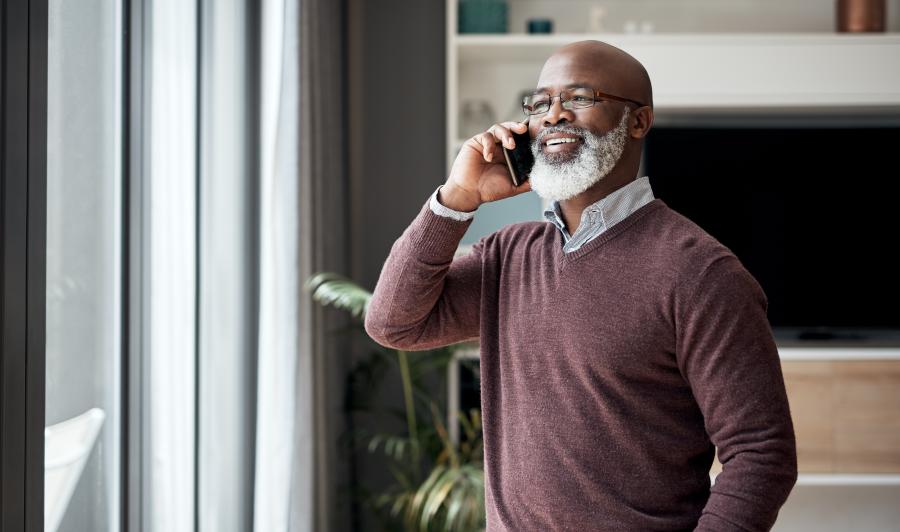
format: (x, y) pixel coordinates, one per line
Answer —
(325, 243)
(303, 230)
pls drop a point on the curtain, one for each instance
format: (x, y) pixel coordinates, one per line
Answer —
(228, 247)
(302, 230)
(169, 257)
(279, 341)
(245, 194)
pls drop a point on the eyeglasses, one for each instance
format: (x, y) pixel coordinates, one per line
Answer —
(577, 97)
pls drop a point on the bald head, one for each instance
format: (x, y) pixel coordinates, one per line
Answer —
(612, 131)
(603, 66)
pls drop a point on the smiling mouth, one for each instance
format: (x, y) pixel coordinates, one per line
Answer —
(564, 140)
(563, 145)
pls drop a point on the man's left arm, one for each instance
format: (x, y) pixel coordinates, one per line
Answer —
(727, 352)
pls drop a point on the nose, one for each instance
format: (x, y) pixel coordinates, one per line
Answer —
(557, 112)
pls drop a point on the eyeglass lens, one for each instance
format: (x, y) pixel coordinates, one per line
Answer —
(540, 102)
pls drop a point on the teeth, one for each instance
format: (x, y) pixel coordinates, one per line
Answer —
(551, 142)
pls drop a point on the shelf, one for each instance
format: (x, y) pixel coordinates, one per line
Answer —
(708, 73)
(828, 479)
(839, 353)
(517, 40)
(812, 354)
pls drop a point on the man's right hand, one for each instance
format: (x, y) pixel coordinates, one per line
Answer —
(479, 174)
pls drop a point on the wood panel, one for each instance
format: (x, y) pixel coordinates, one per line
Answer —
(846, 415)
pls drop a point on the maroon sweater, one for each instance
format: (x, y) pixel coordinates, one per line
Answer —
(609, 375)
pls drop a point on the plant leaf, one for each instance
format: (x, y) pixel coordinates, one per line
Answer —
(336, 290)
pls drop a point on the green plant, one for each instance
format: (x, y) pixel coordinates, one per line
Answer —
(450, 496)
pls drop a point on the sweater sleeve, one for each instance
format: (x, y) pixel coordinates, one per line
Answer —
(424, 298)
(727, 353)
(442, 210)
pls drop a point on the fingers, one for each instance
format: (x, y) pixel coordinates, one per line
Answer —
(487, 142)
(505, 130)
(499, 133)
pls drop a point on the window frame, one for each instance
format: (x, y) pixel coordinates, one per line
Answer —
(23, 218)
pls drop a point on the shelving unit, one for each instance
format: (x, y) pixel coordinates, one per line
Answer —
(710, 78)
(815, 76)
(695, 74)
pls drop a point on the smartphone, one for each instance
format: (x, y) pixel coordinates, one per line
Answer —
(519, 160)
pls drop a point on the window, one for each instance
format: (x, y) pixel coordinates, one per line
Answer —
(84, 262)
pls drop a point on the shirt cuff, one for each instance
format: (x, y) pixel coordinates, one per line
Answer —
(442, 210)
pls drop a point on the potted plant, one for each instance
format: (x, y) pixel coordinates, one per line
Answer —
(438, 485)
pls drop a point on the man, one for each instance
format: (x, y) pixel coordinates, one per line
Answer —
(621, 344)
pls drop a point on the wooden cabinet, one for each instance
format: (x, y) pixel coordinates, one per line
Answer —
(846, 415)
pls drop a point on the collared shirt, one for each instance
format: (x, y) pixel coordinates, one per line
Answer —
(595, 219)
(603, 214)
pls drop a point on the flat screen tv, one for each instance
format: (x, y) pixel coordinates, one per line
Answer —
(813, 213)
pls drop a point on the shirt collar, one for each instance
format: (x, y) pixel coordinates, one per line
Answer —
(599, 212)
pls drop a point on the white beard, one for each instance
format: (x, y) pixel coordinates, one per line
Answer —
(557, 179)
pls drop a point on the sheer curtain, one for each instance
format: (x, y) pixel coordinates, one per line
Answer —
(240, 200)
(277, 408)
(228, 265)
(169, 254)
(302, 230)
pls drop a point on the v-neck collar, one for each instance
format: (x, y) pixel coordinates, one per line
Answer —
(563, 259)
(604, 213)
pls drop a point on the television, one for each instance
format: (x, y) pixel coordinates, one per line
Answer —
(811, 212)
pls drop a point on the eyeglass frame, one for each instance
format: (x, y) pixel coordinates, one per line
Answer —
(594, 94)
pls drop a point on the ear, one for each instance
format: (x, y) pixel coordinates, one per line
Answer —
(642, 121)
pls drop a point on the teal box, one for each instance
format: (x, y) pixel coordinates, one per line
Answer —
(482, 16)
